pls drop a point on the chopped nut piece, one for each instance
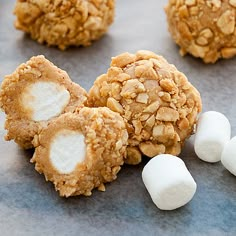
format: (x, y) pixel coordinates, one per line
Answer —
(150, 122)
(190, 2)
(226, 22)
(158, 130)
(228, 52)
(167, 85)
(137, 126)
(131, 88)
(232, 3)
(114, 105)
(167, 114)
(214, 4)
(146, 72)
(183, 12)
(134, 156)
(152, 107)
(149, 149)
(123, 59)
(142, 98)
(183, 123)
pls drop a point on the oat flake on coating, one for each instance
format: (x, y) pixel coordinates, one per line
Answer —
(64, 23)
(158, 103)
(105, 139)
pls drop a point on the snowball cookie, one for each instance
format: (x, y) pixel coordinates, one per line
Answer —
(158, 103)
(81, 151)
(169, 182)
(36, 92)
(64, 23)
(203, 28)
(228, 157)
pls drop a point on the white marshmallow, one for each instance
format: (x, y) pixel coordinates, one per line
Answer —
(168, 181)
(228, 157)
(45, 100)
(67, 150)
(213, 132)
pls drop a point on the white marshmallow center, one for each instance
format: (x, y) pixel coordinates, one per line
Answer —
(45, 100)
(67, 150)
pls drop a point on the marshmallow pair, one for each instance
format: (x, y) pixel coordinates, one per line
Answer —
(166, 177)
(212, 140)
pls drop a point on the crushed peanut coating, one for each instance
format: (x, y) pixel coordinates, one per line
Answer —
(157, 102)
(51, 85)
(64, 23)
(105, 139)
(203, 28)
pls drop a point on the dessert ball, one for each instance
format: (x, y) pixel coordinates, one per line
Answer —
(157, 102)
(64, 23)
(81, 151)
(203, 28)
(34, 94)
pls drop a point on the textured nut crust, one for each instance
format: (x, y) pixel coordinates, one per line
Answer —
(158, 103)
(106, 139)
(64, 23)
(18, 123)
(203, 28)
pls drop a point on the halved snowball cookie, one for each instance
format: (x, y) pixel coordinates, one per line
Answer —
(81, 151)
(34, 94)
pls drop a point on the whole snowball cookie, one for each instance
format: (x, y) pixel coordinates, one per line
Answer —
(157, 102)
(64, 23)
(35, 94)
(203, 28)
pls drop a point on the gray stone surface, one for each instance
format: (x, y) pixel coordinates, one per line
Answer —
(30, 206)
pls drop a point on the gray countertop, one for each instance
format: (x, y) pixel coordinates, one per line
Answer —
(30, 206)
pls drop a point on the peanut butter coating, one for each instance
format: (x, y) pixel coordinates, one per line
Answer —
(157, 102)
(203, 28)
(64, 23)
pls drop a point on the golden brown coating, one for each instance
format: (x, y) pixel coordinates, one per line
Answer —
(105, 138)
(158, 103)
(64, 23)
(16, 96)
(203, 28)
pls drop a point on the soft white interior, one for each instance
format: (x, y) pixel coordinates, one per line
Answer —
(67, 150)
(45, 100)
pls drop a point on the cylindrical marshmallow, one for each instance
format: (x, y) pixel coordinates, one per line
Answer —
(168, 182)
(213, 132)
(228, 157)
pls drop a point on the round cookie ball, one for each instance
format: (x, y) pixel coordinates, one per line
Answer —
(81, 151)
(203, 28)
(33, 95)
(157, 102)
(64, 23)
